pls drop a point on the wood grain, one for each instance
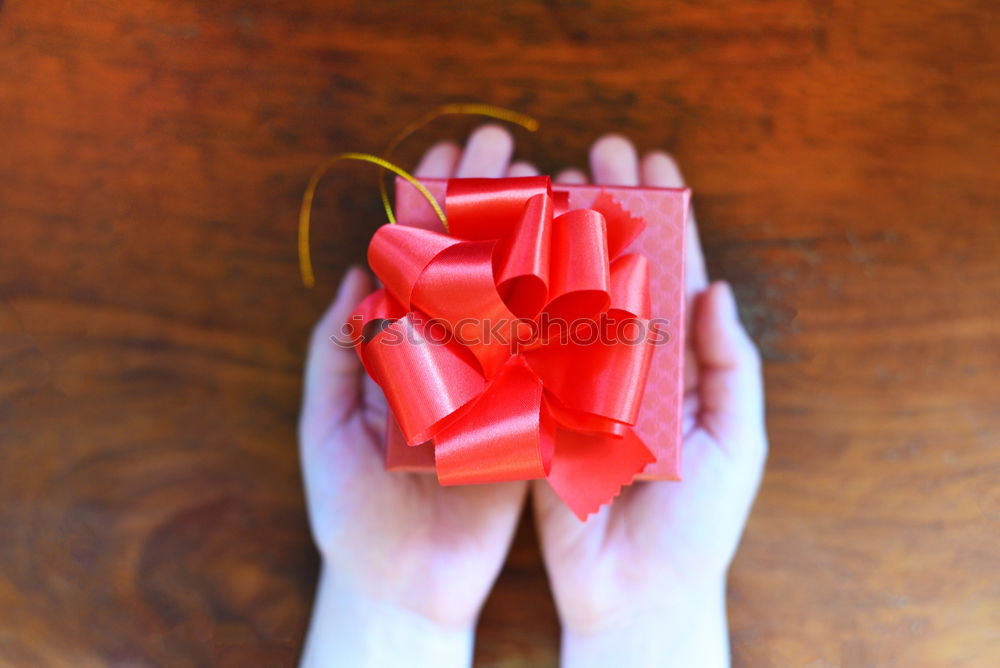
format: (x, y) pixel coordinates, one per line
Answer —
(152, 329)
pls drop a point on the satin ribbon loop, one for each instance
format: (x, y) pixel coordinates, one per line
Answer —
(523, 272)
(398, 255)
(500, 437)
(606, 379)
(457, 288)
(580, 278)
(375, 312)
(481, 209)
(630, 286)
(425, 382)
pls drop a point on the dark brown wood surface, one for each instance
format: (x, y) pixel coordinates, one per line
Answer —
(152, 326)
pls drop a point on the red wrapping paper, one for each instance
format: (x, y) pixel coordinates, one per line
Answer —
(657, 423)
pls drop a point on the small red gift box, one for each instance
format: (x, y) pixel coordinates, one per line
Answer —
(664, 211)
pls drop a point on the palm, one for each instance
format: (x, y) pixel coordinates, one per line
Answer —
(434, 550)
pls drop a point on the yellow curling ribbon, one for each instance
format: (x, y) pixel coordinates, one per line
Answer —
(471, 109)
(498, 113)
(305, 260)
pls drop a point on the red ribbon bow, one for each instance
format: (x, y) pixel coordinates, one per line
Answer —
(473, 339)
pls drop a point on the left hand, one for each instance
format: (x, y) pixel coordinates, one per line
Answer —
(407, 563)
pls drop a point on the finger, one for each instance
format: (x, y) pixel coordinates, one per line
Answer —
(522, 168)
(614, 162)
(439, 161)
(731, 387)
(487, 153)
(571, 176)
(659, 170)
(333, 371)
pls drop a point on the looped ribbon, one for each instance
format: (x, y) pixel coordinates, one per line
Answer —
(478, 338)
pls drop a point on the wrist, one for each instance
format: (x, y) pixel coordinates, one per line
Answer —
(350, 628)
(687, 627)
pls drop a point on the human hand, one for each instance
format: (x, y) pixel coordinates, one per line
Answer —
(642, 582)
(406, 563)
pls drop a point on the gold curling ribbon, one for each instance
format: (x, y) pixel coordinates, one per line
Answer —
(305, 260)
(470, 109)
(490, 111)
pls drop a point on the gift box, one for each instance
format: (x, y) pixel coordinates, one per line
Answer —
(658, 217)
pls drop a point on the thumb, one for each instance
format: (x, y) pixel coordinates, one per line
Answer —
(333, 372)
(731, 388)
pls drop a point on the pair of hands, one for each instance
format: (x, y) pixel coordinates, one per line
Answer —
(408, 564)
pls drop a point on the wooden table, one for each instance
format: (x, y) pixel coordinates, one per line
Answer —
(152, 326)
